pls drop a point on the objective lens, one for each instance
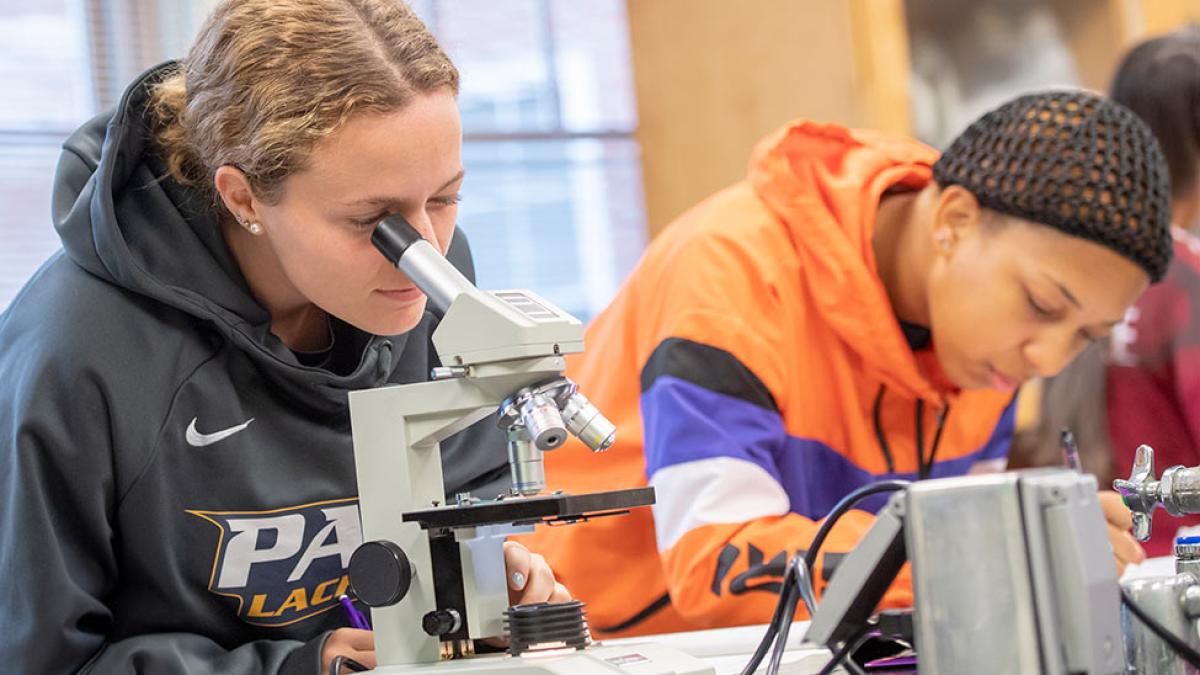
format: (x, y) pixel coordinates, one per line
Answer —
(540, 415)
(585, 421)
(525, 462)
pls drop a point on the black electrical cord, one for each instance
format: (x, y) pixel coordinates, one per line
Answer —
(797, 568)
(790, 601)
(789, 593)
(777, 620)
(339, 662)
(1177, 643)
(848, 648)
(840, 509)
(853, 667)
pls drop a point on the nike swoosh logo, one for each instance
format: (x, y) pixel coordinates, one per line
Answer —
(199, 440)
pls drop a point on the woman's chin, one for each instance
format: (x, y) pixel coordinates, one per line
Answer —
(964, 378)
(395, 322)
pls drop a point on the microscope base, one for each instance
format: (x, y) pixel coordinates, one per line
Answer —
(643, 659)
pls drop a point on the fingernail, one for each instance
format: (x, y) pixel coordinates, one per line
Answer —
(518, 580)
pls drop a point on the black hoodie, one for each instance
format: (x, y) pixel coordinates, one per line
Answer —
(178, 489)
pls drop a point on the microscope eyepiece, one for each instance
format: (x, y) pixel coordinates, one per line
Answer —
(405, 248)
(393, 235)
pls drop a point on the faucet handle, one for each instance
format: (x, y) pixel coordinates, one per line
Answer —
(1141, 525)
(1140, 492)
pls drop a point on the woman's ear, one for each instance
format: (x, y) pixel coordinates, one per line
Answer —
(235, 191)
(956, 216)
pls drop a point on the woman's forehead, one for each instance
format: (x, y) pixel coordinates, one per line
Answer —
(416, 148)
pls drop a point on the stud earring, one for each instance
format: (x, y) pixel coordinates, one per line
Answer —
(252, 228)
(943, 240)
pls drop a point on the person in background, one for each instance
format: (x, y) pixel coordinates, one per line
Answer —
(178, 481)
(859, 308)
(1143, 384)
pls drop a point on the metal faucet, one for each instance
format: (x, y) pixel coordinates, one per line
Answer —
(1178, 491)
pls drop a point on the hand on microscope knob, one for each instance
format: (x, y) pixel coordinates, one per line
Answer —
(351, 642)
(1126, 549)
(530, 578)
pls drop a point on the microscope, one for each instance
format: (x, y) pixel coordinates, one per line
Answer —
(433, 572)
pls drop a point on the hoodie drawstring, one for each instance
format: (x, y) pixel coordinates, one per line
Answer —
(883, 444)
(924, 464)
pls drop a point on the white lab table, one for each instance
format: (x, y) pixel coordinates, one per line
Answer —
(729, 649)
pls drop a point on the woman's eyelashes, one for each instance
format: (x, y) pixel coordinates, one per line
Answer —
(1038, 308)
(1047, 314)
(367, 223)
(435, 203)
(448, 200)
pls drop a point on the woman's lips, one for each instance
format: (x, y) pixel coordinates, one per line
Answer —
(402, 294)
(1003, 382)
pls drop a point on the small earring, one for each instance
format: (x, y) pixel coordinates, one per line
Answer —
(943, 240)
(252, 228)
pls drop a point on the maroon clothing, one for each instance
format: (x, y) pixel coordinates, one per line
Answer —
(1154, 379)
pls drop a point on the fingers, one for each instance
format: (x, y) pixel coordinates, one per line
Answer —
(1115, 510)
(541, 585)
(1126, 549)
(530, 578)
(360, 640)
(517, 559)
(351, 643)
(560, 594)
(365, 658)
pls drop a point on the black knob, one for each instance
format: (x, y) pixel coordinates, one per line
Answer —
(546, 625)
(441, 622)
(380, 573)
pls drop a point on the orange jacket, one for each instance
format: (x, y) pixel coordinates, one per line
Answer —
(752, 363)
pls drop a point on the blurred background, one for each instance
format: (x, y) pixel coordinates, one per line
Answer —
(590, 124)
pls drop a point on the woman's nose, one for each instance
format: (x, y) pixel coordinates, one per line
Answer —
(421, 222)
(1051, 350)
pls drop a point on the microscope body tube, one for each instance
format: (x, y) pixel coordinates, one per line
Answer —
(404, 247)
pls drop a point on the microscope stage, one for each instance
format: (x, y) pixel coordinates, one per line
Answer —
(540, 509)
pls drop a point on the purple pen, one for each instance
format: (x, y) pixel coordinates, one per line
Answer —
(357, 620)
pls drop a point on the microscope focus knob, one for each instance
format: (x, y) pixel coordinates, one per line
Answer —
(441, 622)
(380, 573)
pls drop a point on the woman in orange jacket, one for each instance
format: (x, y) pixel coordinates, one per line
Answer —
(858, 308)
